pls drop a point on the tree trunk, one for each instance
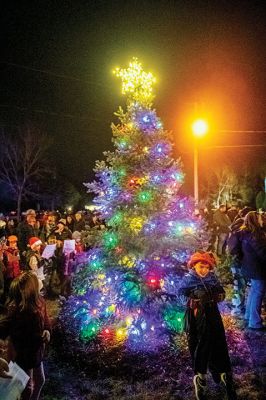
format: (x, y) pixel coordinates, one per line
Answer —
(19, 200)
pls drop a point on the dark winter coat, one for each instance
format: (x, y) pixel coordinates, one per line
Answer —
(25, 329)
(26, 231)
(46, 232)
(79, 225)
(192, 282)
(222, 221)
(64, 235)
(202, 293)
(234, 242)
(253, 255)
(203, 323)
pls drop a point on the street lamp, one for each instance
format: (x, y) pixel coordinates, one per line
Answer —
(199, 129)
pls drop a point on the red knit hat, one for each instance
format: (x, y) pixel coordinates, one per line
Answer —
(34, 241)
(206, 257)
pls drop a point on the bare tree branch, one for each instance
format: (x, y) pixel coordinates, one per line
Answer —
(23, 161)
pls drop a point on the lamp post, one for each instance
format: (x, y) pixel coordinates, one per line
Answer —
(199, 129)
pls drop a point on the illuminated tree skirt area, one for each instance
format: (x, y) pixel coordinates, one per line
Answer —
(72, 374)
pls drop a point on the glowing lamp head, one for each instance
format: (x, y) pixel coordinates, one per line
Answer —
(200, 127)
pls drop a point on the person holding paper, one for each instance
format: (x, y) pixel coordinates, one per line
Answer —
(27, 325)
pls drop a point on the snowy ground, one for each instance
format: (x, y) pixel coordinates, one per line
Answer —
(167, 377)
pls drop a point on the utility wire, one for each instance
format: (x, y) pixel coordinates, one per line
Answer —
(53, 113)
(62, 76)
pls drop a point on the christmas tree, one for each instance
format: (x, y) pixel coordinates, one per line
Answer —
(125, 294)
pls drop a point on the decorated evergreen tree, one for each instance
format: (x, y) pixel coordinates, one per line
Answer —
(125, 293)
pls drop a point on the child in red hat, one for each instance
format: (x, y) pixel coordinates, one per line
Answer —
(204, 326)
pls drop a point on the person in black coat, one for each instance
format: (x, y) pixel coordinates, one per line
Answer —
(204, 326)
(79, 222)
(26, 229)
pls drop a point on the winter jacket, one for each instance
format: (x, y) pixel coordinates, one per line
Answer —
(234, 242)
(26, 231)
(25, 329)
(192, 285)
(253, 255)
(11, 261)
(79, 225)
(64, 235)
(222, 221)
(203, 323)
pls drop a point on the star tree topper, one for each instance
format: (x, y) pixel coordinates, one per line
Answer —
(136, 83)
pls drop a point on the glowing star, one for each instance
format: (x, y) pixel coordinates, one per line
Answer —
(136, 82)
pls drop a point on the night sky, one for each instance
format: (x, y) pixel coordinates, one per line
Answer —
(57, 59)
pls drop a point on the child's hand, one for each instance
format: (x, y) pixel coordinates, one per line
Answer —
(4, 369)
(46, 336)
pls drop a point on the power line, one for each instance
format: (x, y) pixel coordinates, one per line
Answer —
(52, 113)
(229, 131)
(62, 76)
(235, 146)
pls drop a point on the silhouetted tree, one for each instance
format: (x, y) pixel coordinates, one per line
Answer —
(24, 162)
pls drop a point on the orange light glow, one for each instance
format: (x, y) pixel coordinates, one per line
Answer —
(200, 127)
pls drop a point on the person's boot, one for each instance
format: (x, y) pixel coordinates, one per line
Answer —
(227, 381)
(200, 386)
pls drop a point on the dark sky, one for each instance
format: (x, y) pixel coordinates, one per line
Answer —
(57, 59)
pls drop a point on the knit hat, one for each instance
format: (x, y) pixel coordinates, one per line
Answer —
(12, 238)
(30, 211)
(76, 235)
(205, 257)
(62, 221)
(34, 241)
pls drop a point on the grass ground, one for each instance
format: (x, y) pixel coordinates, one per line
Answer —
(165, 376)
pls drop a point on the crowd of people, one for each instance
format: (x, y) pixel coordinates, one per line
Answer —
(40, 255)
(38, 258)
(22, 248)
(240, 233)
